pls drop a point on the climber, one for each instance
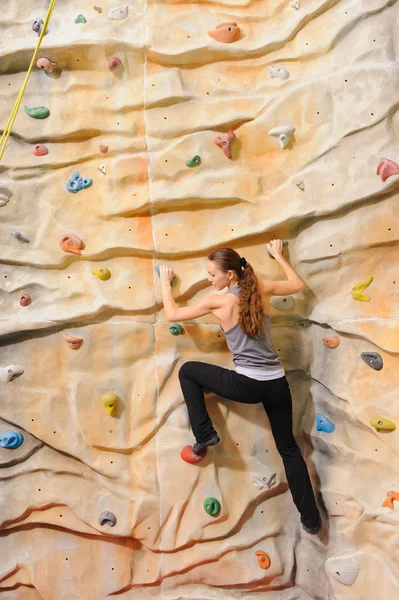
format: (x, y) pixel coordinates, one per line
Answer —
(259, 375)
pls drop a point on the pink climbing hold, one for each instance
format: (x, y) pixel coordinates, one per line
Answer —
(225, 143)
(103, 148)
(46, 64)
(226, 32)
(387, 167)
(40, 150)
(114, 63)
(189, 456)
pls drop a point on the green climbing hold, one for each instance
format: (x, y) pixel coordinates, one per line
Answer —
(212, 506)
(194, 162)
(37, 112)
(80, 19)
(175, 329)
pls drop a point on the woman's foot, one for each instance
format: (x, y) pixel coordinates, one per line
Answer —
(311, 528)
(199, 447)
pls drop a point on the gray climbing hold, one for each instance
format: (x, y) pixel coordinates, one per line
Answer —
(344, 569)
(301, 185)
(19, 236)
(107, 518)
(373, 360)
(278, 72)
(119, 13)
(4, 196)
(37, 25)
(282, 302)
(285, 243)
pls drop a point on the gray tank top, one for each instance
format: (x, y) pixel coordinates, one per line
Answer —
(253, 353)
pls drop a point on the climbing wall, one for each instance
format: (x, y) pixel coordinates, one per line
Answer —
(154, 146)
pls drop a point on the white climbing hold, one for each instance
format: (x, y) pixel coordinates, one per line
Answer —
(4, 196)
(119, 13)
(102, 168)
(343, 570)
(10, 373)
(263, 480)
(283, 133)
(295, 4)
(278, 72)
(282, 302)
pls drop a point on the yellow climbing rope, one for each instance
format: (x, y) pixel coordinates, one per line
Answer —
(10, 122)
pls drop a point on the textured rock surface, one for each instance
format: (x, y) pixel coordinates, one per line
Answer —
(176, 90)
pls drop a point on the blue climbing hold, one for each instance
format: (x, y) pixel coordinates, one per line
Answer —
(159, 274)
(76, 183)
(324, 424)
(11, 439)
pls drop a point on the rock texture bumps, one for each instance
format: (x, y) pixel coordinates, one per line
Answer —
(178, 90)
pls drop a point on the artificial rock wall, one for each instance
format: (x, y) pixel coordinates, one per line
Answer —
(177, 89)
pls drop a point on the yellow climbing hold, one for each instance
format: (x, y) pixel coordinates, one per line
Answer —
(382, 423)
(358, 290)
(110, 400)
(102, 273)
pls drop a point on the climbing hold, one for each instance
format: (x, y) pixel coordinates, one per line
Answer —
(262, 482)
(80, 19)
(102, 168)
(386, 168)
(225, 143)
(103, 148)
(324, 424)
(343, 570)
(114, 63)
(175, 329)
(25, 300)
(285, 243)
(382, 423)
(76, 183)
(212, 506)
(159, 274)
(37, 112)
(73, 342)
(331, 342)
(98, 9)
(282, 302)
(107, 518)
(278, 72)
(102, 273)
(358, 289)
(10, 373)
(37, 25)
(110, 400)
(194, 162)
(283, 133)
(11, 439)
(19, 236)
(390, 497)
(295, 4)
(263, 559)
(226, 32)
(4, 196)
(301, 185)
(46, 64)
(373, 360)
(119, 13)
(71, 243)
(189, 456)
(40, 150)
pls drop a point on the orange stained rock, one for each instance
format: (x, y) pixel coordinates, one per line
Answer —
(263, 559)
(189, 456)
(331, 342)
(390, 497)
(226, 32)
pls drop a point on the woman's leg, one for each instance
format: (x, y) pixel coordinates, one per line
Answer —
(194, 376)
(278, 407)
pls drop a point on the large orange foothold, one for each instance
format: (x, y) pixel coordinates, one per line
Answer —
(391, 496)
(225, 143)
(331, 342)
(73, 342)
(387, 167)
(71, 243)
(114, 63)
(263, 559)
(189, 456)
(226, 32)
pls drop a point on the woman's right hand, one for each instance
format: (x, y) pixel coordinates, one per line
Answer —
(275, 247)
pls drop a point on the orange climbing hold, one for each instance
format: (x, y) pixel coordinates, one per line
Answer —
(263, 559)
(391, 496)
(226, 32)
(331, 342)
(225, 143)
(189, 456)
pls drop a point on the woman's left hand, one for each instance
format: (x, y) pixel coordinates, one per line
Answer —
(165, 273)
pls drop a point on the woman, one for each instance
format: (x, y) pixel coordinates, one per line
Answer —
(259, 375)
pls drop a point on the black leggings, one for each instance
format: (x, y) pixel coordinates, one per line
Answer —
(275, 396)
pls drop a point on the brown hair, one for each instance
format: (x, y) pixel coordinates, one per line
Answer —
(250, 306)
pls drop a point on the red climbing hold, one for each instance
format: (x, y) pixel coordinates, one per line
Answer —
(114, 63)
(40, 150)
(225, 143)
(387, 167)
(188, 455)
